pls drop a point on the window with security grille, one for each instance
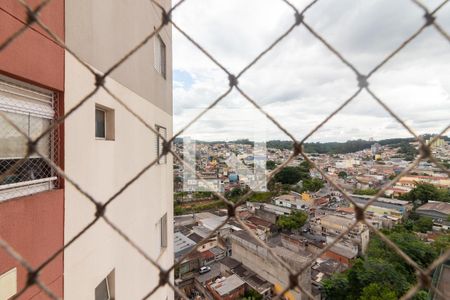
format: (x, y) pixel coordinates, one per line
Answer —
(160, 143)
(26, 111)
(160, 56)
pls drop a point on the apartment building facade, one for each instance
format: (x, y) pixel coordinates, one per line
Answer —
(101, 146)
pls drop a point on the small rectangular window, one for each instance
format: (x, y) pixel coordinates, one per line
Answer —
(159, 143)
(104, 123)
(100, 123)
(163, 226)
(105, 289)
(160, 56)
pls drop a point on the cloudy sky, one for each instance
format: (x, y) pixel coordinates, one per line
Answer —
(300, 81)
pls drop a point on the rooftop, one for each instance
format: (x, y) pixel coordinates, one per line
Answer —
(442, 207)
(217, 251)
(230, 262)
(182, 243)
(227, 285)
(381, 199)
(336, 219)
(195, 237)
(213, 222)
(259, 221)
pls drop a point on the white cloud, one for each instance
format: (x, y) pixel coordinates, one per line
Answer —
(300, 81)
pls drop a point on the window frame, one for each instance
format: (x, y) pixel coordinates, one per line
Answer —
(110, 286)
(97, 108)
(164, 233)
(26, 100)
(162, 160)
(160, 56)
(109, 123)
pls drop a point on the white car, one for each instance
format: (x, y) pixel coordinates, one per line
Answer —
(204, 269)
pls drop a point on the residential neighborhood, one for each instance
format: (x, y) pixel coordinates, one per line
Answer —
(298, 215)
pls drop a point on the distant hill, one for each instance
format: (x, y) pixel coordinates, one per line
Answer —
(325, 148)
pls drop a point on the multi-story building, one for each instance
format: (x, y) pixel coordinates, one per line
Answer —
(384, 206)
(331, 226)
(256, 258)
(101, 146)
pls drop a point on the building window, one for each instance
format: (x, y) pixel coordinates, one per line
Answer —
(105, 289)
(33, 111)
(8, 284)
(163, 229)
(160, 56)
(104, 123)
(160, 143)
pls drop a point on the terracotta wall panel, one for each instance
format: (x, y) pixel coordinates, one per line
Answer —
(34, 227)
(33, 56)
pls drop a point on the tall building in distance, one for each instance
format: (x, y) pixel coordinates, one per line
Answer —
(439, 142)
(101, 146)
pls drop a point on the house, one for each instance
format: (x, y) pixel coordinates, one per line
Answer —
(247, 250)
(188, 265)
(384, 206)
(227, 288)
(332, 225)
(438, 211)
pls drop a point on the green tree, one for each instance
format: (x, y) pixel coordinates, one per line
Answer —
(368, 192)
(270, 165)
(260, 197)
(442, 243)
(408, 151)
(423, 192)
(375, 291)
(342, 174)
(408, 242)
(293, 221)
(291, 175)
(376, 270)
(234, 193)
(383, 268)
(421, 295)
(178, 210)
(252, 295)
(305, 166)
(312, 185)
(336, 287)
(443, 195)
(423, 224)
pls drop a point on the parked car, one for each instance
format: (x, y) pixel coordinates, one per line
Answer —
(205, 269)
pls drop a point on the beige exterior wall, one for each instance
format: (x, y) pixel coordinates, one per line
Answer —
(101, 168)
(101, 32)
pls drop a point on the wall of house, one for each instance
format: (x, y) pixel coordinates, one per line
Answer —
(266, 215)
(101, 32)
(334, 256)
